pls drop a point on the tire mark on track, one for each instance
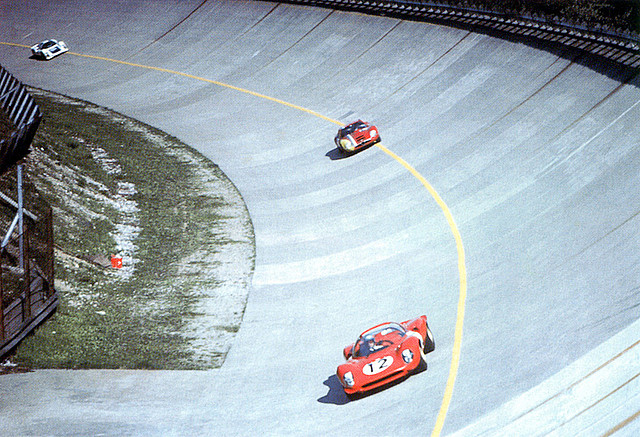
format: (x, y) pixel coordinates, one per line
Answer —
(562, 159)
(296, 42)
(425, 69)
(228, 42)
(367, 50)
(170, 30)
(254, 25)
(626, 80)
(531, 96)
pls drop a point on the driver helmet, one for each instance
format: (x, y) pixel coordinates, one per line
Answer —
(371, 343)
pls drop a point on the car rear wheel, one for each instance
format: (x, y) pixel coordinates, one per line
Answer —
(430, 343)
(422, 366)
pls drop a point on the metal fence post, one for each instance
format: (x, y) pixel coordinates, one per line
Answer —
(1, 297)
(20, 216)
(27, 276)
(50, 254)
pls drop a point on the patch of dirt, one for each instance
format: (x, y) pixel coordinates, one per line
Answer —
(118, 186)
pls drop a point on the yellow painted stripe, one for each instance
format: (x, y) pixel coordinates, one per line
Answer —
(15, 45)
(190, 76)
(215, 82)
(462, 271)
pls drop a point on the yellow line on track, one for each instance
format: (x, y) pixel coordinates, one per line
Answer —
(462, 271)
(462, 298)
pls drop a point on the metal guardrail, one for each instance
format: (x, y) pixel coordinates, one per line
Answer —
(620, 47)
(27, 294)
(23, 112)
(38, 298)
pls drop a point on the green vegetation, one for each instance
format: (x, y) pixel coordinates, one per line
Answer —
(118, 186)
(614, 14)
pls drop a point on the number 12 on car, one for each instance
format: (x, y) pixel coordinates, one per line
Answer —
(377, 366)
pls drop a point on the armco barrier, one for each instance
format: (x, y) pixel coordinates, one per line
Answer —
(23, 112)
(617, 46)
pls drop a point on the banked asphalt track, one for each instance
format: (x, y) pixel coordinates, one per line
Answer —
(533, 150)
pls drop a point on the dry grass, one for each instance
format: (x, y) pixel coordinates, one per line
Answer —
(119, 186)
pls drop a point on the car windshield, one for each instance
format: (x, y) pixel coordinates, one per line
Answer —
(377, 339)
(347, 130)
(48, 44)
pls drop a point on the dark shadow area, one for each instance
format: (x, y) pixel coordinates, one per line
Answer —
(374, 391)
(336, 394)
(336, 154)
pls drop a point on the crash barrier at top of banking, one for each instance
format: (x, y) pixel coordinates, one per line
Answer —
(23, 113)
(619, 46)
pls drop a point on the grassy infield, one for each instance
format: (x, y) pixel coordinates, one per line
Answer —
(105, 320)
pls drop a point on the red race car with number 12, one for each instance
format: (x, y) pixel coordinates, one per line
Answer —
(385, 353)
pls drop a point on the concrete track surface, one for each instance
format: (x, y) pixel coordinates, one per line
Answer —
(533, 149)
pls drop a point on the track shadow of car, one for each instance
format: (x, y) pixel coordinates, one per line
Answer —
(336, 394)
(336, 154)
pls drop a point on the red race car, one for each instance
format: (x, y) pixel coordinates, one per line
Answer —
(385, 353)
(356, 136)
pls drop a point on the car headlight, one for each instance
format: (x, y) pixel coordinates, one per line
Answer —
(373, 133)
(348, 379)
(346, 144)
(407, 355)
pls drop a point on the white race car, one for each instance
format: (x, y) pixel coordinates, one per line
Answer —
(49, 48)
